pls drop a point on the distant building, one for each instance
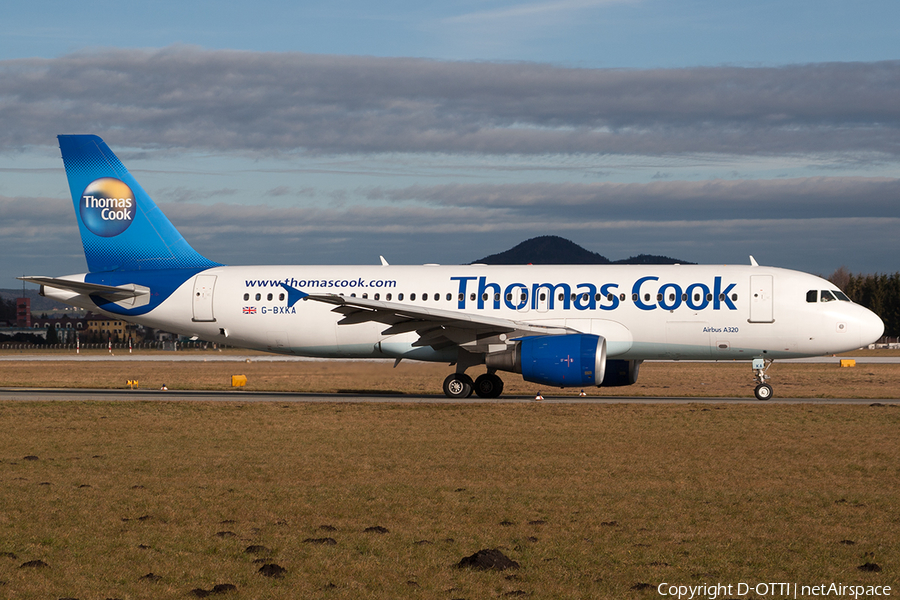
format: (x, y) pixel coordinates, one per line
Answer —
(66, 327)
(105, 328)
(23, 312)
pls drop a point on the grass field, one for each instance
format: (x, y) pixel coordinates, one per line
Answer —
(153, 500)
(590, 500)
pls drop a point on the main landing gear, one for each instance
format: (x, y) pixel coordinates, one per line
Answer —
(763, 390)
(460, 385)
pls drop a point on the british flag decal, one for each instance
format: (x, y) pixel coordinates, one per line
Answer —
(249, 310)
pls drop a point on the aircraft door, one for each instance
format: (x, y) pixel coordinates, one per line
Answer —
(520, 299)
(204, 285)
(278, 342)
(541, 300)
(761, 310)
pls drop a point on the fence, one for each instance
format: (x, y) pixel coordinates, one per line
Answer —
(161, 346)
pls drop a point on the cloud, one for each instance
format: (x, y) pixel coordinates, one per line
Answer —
(529, 10)
(825, 197)
(185, 97)
(459, 224)
(184, 194)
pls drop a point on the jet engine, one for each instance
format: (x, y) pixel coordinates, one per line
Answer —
(574, 360)
(621, 372)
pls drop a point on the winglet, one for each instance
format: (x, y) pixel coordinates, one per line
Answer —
(753, 262)
(384, 263)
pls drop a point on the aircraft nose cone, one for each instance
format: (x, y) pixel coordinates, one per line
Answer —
(871, 328)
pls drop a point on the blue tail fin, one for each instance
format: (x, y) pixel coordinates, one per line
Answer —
(122, 229)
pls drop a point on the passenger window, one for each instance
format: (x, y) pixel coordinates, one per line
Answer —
(709, 297)
(400, 296)
(281, 296)
(412, 297)
(734, 297)
(509, 297)
(450, 297)
(246, 297)
(425, 296)
(826, 296)
(496, 297)
(269, 297)
(543, 296)
(622, 297)
(584, 297)
(377, 296)
(484, 296)
(598, 296)
(561, 297)
(524, 297)
(472, 296)
(259, 296)
(388, 297)
(365, 295)
(696, 297)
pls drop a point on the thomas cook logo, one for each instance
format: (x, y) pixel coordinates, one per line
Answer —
(107, 207)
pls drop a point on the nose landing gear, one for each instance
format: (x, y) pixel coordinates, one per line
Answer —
(763, 390)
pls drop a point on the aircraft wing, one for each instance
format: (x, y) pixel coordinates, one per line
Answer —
(435, 327)
(114, 294)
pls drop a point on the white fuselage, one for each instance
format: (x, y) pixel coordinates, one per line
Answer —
(708, 312)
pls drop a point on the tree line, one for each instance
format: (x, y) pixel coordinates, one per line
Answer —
(880, 293)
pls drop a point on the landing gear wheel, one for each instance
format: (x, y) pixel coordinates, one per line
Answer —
(488, 385)
(458, 385)
(763, 391)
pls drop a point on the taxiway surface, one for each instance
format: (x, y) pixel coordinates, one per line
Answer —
(63, 395)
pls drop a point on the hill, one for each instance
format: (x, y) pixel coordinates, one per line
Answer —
(555, 250)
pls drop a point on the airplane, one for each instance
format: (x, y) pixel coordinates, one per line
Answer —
(558, 326)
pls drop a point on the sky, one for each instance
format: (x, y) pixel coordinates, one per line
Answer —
(335, 132)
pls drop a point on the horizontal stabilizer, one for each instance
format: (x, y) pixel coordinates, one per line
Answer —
(121, 293)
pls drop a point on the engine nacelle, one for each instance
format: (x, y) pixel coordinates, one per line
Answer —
(574, 360)
(621, 372)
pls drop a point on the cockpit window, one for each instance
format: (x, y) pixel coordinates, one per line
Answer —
(826, 296)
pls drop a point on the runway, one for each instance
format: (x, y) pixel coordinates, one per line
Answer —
(81, 395)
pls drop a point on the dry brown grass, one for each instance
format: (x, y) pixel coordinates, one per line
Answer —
(656, 379)
(599, 498)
